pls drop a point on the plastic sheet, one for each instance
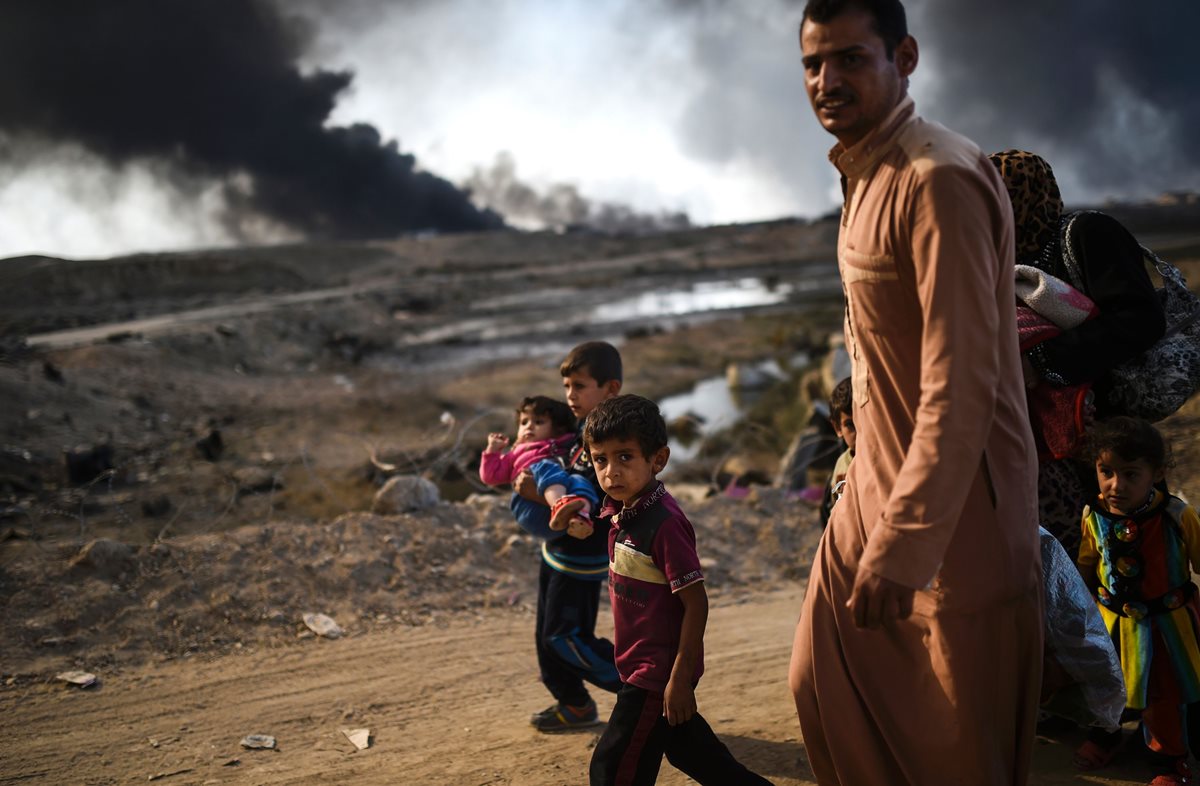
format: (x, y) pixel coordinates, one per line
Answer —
(1077, 641)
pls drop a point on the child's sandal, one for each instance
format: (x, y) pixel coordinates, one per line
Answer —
(567, 508)
(1099, 749)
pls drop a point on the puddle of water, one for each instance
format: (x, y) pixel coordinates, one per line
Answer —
(533, 333)
(717, 404)
(701, 296)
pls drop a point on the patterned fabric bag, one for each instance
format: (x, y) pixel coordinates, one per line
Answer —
(1160, 380)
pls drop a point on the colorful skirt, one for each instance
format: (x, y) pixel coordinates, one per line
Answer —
(1165, 640)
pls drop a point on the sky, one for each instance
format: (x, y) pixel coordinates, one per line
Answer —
(144, 125)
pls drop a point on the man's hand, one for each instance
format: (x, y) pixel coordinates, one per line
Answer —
(526, 486)
(679, 702)
(876, 601)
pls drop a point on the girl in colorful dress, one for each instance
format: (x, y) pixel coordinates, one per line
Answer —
(1138, 549)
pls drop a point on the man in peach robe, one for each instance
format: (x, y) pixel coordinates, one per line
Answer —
(917, 658)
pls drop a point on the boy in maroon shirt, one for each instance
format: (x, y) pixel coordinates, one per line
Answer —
(659, 609)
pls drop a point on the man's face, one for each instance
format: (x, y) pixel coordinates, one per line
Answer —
(584, 392)
(850, 80)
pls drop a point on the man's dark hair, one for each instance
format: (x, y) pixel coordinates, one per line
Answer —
(599, 359)
(627, 417)
(1131, 439)
(890, 21)
(561, 416)
(841, 400)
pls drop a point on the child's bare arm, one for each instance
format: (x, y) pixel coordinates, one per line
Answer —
(679, 700)
(496, 442)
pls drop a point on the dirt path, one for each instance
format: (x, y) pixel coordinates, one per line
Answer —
(445, 705)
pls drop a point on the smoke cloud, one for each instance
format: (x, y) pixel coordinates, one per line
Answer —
(1105, 89)
(560, 206)
(251, 114)
(213, 91)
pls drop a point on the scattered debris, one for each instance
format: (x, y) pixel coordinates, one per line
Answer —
(360, 737)
(323, 625)
(159, 775)
(83, 679)
(258, 742)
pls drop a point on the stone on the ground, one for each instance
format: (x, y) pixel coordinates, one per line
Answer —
(405, 494)
(252, 480)
(323, 625)
(106, 557)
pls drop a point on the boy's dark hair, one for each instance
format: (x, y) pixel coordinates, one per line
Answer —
(627, 417)
(599, 359)
(841, 400)
(561, 416)
(890, 21)
(1131, 439)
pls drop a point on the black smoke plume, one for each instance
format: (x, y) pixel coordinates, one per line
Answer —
(215, 90)
(1106, 89)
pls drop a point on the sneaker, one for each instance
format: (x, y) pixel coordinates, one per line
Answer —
(562, 717)
(549, 712)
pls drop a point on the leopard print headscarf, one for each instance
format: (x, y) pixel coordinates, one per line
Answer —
(1037, 204)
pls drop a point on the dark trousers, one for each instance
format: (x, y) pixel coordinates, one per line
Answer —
(568, 649)
(631, 749)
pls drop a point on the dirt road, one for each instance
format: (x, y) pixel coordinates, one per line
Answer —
(445, 705)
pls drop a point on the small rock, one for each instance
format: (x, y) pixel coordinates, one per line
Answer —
(258, 742)
(83, 679)
(252, 480)
(405, 494)
(323, 625)
(360, 737)
(108, 558)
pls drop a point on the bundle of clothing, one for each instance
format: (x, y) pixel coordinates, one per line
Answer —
(1046, 307)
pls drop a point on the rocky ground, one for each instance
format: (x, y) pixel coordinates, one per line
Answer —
(185, 491)
(197, 487)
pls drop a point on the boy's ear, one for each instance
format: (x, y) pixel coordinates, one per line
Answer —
(659, 461)
(612, 387)
(837, 426)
